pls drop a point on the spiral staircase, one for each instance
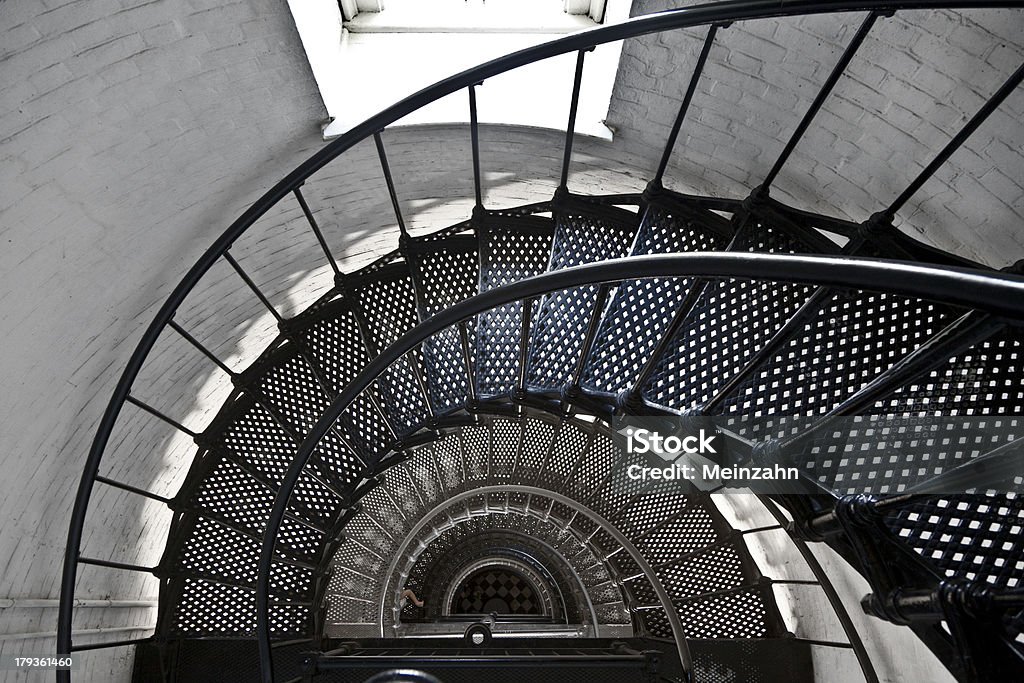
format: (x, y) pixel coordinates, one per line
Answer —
(441, 421)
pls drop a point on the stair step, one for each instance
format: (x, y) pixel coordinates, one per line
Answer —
(728, 323)
(851, 340)
(446, 272)
(386, 303)
(641, 310)
(512, 248)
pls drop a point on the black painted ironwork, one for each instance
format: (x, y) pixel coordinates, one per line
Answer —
(570, 128)
(826, 89)
(677, 125)
(991, 104)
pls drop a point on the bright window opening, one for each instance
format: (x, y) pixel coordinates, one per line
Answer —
(367, 55)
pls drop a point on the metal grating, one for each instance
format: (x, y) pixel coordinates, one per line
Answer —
(214, 609)
(728, 323)
(560, 324)
(336, 346)
(976, 538)
(988, 379)
(714, 570)
(447, 453)
(505, 440)
(641, 310)
(388, 305)
(299, 541)
(510, 250)
(685, 533)
(600, 458)
(476, 449)
(293, 390)
(848, 343)
(447, 273)
(536, 443)
(231, 493)
(257, 439)
(215, 551)
(740, 613)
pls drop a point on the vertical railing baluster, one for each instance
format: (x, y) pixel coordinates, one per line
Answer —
(596, 315)
(570, 130)
(156, 413)
(467, 361)
(685, 105)
(202, 349)
(525, 313)
(474, 134)
(316, 231)
(252, 285)
(953, 145)
(386, 169)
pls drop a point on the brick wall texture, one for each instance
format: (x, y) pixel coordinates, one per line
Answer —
(132, 132)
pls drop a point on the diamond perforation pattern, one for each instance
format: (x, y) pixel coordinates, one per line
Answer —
(215, 551)
(567, 452)
(299, 541)
(364, 427)
(257, 439)
(690, 531)
(505, 445)
(509, 254)
(988, 379)
(233, 494)
(641, 310)
(337, 348)
(715, 570)
(736, 614)
(536, 442)
(847, 344)
(389, 308)
(729, 322)
(288, 581)
(976, 538)
(448, 275)
(448, 454)
(288, 620)
(294, 391)
(314, 503)
(476, 445)
(597, 464)
(403, 398)
(561, 322)
(214, 609)
(335, 462)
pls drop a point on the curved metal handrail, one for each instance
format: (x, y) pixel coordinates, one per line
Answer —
(710, 14)
(1000, 295)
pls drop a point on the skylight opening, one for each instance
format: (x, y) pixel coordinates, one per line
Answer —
(369, 54)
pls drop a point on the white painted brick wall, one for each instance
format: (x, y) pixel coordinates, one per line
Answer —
(916, 80)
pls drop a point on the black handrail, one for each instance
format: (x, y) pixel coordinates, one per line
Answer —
(710, 14)
(996, 293)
